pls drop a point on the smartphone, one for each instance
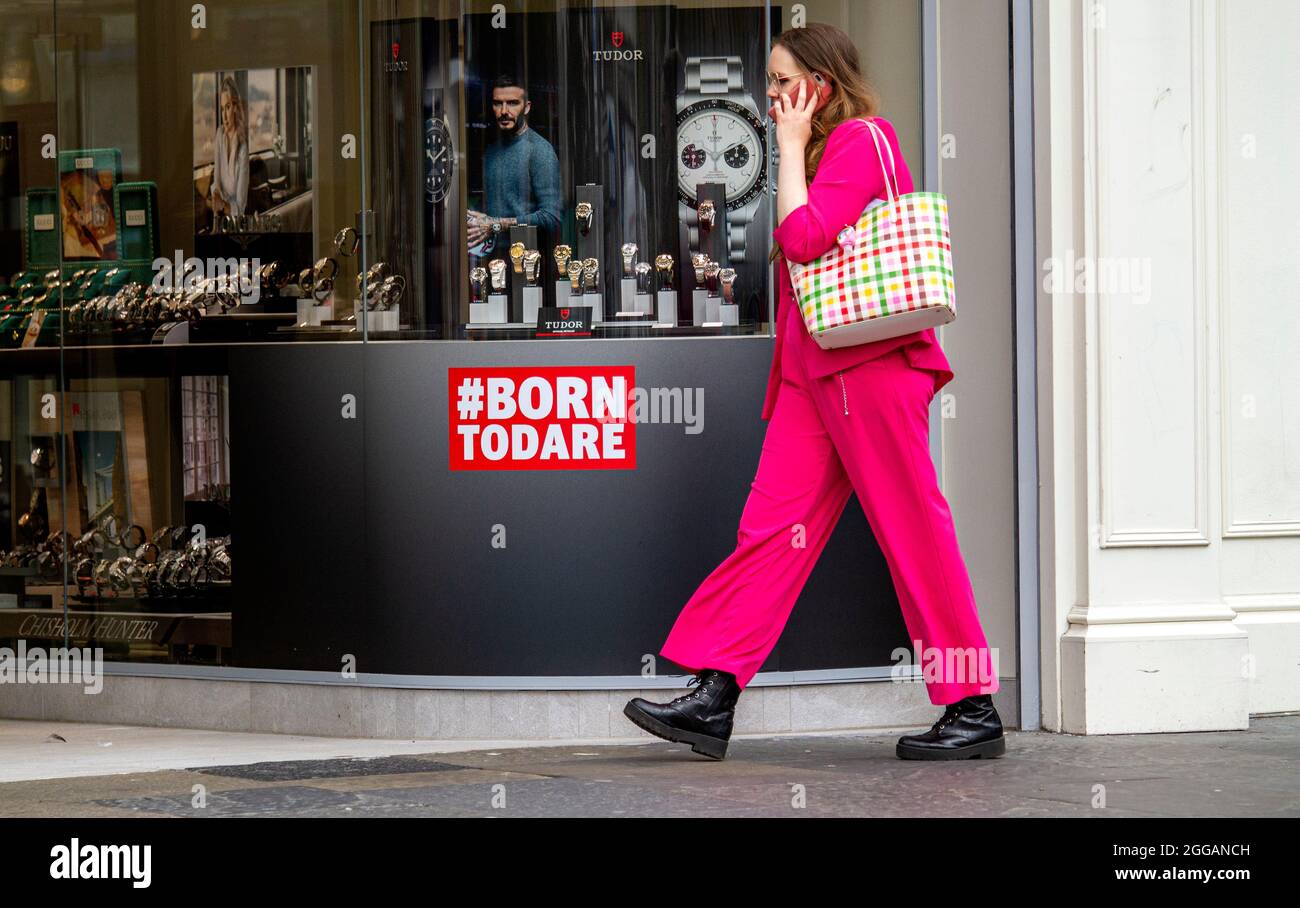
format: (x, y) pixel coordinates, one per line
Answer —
(821, 87)
(816, 85)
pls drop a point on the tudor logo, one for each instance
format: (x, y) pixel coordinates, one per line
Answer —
(616, 38)
(396, 65)
(564, 314)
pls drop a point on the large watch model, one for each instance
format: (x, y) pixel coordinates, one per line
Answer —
(720, 139)
(439, 159)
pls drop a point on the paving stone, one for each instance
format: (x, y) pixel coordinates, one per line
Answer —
(285, 800)
(298, 770)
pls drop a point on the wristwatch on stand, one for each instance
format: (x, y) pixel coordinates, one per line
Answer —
(720, 139)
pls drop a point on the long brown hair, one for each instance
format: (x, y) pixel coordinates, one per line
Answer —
(822, 48)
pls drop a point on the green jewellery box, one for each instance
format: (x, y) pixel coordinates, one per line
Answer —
(41, 229)
(136, 207)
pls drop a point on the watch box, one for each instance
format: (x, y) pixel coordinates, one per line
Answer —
(136, 209)
(41, 229)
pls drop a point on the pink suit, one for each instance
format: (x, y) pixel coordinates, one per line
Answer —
(857, 420)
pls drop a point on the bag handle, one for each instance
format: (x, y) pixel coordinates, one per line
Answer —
(891, 192)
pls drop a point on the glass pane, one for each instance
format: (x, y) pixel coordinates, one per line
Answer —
(207, 159)
(31, 508)
(553, 154)
(197, 201)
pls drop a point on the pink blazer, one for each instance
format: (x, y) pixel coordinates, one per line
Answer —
(849, 176)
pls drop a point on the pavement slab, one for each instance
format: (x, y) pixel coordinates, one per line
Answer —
(1249, 773)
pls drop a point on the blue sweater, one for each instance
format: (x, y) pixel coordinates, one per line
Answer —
(521, 179)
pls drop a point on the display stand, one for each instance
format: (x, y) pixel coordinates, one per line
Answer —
(630, 303)
(526, 234)
(532, 303)
(713, 243)
(729, 314)
(590, 244)
(666, 313)
(711, 311)
(562, 293)
(699, 306)
(378, 319)
(312, 315)
(495, 311)
(383, 319)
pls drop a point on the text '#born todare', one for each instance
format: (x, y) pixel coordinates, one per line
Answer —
(541, 418)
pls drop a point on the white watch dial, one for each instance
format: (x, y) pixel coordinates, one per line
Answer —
(718, 143)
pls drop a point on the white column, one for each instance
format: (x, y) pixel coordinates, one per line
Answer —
(1168, 512)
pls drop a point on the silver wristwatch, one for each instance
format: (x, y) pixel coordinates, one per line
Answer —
(720, 139)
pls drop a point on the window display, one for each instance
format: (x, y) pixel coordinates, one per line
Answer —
(93, 526)
(626, 138)
(676, 132)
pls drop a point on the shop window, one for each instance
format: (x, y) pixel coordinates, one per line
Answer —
(567, 149)
(179, 181)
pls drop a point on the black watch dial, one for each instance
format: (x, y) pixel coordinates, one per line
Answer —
(439, 160)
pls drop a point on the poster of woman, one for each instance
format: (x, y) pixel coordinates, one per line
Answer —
(253, 163)
(230, 153)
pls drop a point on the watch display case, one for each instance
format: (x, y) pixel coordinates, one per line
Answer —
(605, 142)
(448, 125)
(98, 543)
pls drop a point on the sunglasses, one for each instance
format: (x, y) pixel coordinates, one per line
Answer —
(779, 81)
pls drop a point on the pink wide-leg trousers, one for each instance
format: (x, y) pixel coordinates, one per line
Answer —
(814, 454)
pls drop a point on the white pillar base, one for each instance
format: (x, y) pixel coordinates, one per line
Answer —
(1153, 668)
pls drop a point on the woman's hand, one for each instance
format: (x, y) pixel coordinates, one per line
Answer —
(793, 118)
(793, 132)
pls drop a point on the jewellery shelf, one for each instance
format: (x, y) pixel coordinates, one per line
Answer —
(215, 599)
(613, 330)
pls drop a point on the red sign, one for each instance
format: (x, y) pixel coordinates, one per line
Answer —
(617, 38)
(541, 418)
(397, 50)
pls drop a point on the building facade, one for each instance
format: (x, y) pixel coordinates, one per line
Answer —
(255, 250)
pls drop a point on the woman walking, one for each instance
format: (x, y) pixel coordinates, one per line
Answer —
(848, 420)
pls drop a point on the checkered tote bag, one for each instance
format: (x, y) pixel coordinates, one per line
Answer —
(888, 274)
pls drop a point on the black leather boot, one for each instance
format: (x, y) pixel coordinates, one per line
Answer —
(702, 718)
(968, 728)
